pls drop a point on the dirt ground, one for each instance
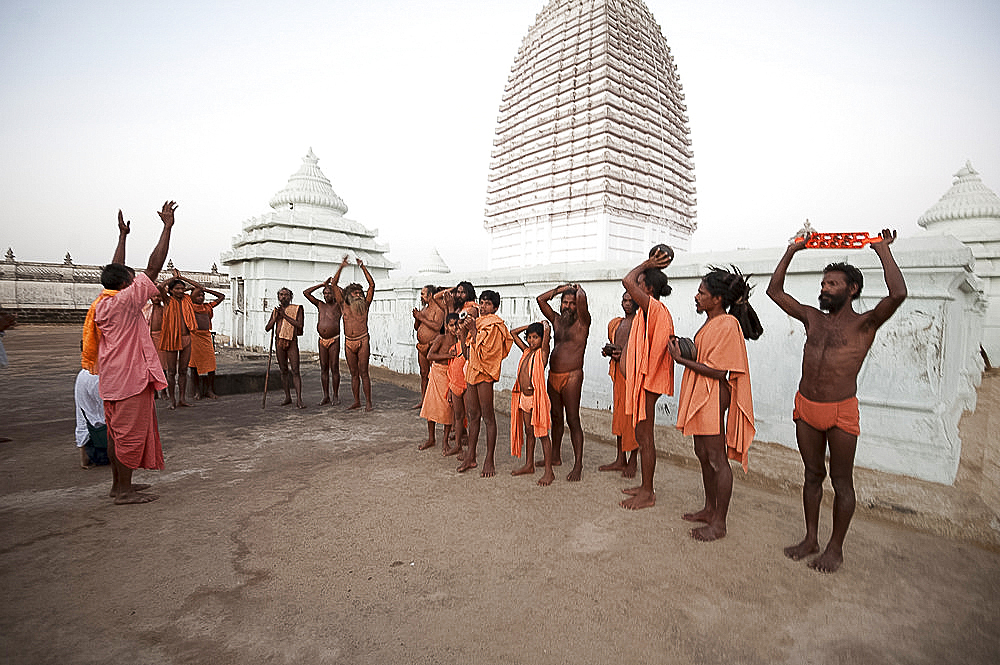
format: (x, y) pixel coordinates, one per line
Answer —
(324, 536)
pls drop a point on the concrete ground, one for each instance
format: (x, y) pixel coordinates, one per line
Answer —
(324, 536)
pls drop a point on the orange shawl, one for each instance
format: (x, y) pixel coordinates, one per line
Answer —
(541, 418)
(490, 346)
(203, 308)
(92, 335)
(649, 366)
(174, 312)
(720, 346)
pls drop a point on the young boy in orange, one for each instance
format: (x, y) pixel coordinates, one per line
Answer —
(717, 381)
(452, 348)
(619, 329)
(530, 415)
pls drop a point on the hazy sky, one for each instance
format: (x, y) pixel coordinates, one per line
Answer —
(853, 114)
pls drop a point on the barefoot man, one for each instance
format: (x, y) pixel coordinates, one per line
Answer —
(328, 327)
(175, 337)
(621, 423)
(202, 347)
(354, 303)
(290, 320)
(826, 405)
(117, 345)
(428, 322)
(649, 369)
(571, 328)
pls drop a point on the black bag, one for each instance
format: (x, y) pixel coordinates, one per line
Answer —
(97, 443)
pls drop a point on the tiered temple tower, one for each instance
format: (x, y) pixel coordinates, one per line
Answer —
(592, 158)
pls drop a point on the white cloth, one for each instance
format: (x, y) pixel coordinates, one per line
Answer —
(88, 398)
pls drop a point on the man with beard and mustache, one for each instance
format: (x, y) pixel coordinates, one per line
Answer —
(428, 322)
(460, 298)
(290, 322)
(826, 405)
(354, 303)
(328, 327)
(570, 330)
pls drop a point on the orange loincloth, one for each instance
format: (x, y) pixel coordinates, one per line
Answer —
(720, 346)
(285, 329)
(824, 416)
(176, 315)
(353, 344)
(538, 403)
(456, 371)
(649, 366)
(436, 407)
(92, 336)
(490, 346)
(326, 343)
(202, 351)
(621, 422)
(133, 429)
(559, 380)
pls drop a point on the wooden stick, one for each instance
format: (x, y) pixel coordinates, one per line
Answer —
(270, 349)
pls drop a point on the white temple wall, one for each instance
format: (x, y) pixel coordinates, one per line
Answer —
(920, 375)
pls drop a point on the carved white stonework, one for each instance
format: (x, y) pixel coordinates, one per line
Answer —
(592, 158)
(298, 244)
(970, 211)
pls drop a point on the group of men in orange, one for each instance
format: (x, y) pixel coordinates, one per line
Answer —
(462, 346)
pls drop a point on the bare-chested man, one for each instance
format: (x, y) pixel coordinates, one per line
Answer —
(459, 298)
(571, 328)
(354, 303)
(175, 337)
(290, 321)
(202, 346)
(619, 329)
(427, 321)
(328, 327)
(826, 406)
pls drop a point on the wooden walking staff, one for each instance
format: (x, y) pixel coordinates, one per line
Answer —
(817, 240)
(270, 349)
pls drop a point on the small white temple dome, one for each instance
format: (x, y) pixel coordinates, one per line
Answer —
(967, 210)
(433, 264)
(309, 186)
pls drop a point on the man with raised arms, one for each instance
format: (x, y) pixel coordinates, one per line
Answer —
(427, 321)
(570, 330)
(328, 327)
(649, 369)
(355, 303)
(175, 337)
(621, 423)
(202, 347)
(826, 405)
(117, 345)
(290, 321)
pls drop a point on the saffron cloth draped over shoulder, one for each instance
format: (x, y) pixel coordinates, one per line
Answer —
(538, 402)
(490, 346)
(177, 313)
(720, 346)
(648, 365)
(92, 336)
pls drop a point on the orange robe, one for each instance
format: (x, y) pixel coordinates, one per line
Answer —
(720, 346)
(649, 365)
(92, 336)
(176, 312)
(202, 348)
(436, 407)
(456, 371)
(621, 422)
(541, 418)
(489, 347)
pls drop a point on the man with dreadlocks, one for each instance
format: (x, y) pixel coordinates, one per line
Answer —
(717, 381)
(354, 303)
(826, 405)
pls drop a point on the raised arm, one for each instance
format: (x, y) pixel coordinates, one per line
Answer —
(893, 280)
(660, 260)
(195, 286)
(446, 299)
(123, 230)
(338, 293)
(308, 293)
(545, 340)
(370, 294)
(544, 298)
(582, 307)
(776, 287)
(516, 334)
(159, 253)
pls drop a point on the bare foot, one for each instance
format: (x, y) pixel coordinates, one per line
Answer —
(356, 405)
(466, 465)
(197, 396)
(369, 407)
(524, 470)
(182, 403)
(429, 443)
(488, 470)
(617, 465)
(211, 395)
(575, 475)
(417, 406)
(541, 462)
(134, 497)
(326, 400)
(632, 491)
(336, 399)
(629, 471)
(802, 550)
(88, 465)
(641, 500)
(708, 533)
(300, 405)
(703, 515)
(827, 562)
(288, 400)
(173, 405)
(547, 478)
(138, 487)
(452, 451)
